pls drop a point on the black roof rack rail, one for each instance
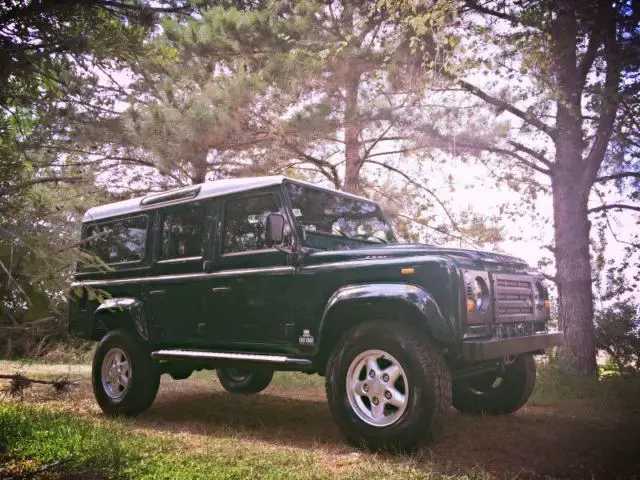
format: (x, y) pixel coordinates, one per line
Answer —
(182, 194)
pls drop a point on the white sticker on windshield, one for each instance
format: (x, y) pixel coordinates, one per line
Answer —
(297, 212)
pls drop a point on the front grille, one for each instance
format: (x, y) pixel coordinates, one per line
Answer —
(514, 298)
(514, 330)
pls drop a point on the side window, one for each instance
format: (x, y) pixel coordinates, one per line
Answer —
(182, 233)
(244, 223)
(121, 241)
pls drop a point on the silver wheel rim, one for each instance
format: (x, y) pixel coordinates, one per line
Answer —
(377, 388)
(116, 373)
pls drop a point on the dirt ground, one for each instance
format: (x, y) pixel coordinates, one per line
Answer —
(567, 440)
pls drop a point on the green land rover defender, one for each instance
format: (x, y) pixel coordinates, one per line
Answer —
(249, 276)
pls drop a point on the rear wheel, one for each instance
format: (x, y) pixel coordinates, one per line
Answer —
(388, 386)
(244, 381)
(497, 393)
(125, 379)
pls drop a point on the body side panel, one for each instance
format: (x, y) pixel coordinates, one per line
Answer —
(433, 290)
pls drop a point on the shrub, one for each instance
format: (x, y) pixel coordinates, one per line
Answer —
(557, 384)
(618, 334)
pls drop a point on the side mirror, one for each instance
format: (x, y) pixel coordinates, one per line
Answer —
(274, 228)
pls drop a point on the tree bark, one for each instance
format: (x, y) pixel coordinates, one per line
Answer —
(353, 162)
(573, 272)
(571, 189)
(199, 171)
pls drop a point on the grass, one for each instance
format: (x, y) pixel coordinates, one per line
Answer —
(555, 386)
(570, 429)
(61, 446)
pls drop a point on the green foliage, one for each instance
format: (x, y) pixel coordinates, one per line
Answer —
(555, 384)
(35, 438)
(298, 88)
(54, 82)
(48, 438)
(618, 334)
(86, 449)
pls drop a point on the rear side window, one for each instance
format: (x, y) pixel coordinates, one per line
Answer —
(121, 241)
(244, 223)
(182, 233)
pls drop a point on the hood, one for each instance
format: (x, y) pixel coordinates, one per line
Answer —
(489, 259)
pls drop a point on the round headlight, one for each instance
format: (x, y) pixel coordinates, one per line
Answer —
(480, 293)
(477, 294)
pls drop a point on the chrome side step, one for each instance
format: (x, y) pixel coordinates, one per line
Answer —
(235, 356)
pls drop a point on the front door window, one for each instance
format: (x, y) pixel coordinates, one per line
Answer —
(244, 224)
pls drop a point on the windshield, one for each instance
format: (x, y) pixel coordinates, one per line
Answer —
(333, 221)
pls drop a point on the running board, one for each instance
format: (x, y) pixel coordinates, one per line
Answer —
(234, 356)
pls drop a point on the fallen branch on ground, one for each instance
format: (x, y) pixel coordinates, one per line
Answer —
(19, 383)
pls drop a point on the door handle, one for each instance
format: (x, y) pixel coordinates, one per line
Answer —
(221, 289)
(157, 292)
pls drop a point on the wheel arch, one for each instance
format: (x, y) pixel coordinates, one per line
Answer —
(354, 304)
(121, 312)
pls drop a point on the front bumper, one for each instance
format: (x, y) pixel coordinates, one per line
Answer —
(478, 350)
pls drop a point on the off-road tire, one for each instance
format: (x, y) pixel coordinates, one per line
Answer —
(475, 396)
(254, 381)
(428, 378)
(144, 379)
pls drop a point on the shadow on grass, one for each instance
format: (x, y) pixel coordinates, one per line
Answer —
(275, 419)
(539, 442)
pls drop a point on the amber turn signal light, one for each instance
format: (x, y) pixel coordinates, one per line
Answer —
(471, 305)
(408, 271)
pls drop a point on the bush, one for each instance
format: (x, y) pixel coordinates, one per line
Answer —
(557, 384)
(53, 345)
(618, 334)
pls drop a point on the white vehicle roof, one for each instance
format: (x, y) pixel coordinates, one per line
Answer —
(193, 193)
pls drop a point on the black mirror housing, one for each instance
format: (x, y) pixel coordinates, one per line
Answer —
(274, 227)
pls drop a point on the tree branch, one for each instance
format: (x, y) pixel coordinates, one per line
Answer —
(527, 117)
(478, 144)
(138, 8)
(475, 6)
(609, 101)
(332, 174)
(419, 185)
(37, 181)
(529, 151)
(614, 206)
(590, 55)
(368, 149)
(442, 232)
(617, 176)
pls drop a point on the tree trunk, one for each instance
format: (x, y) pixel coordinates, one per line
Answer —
(573, 267)
(570, 198)
(353, 163)
(199, 171)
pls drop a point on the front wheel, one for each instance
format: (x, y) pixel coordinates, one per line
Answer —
(497, 393)
(125, 379)
(388, 386)
(244, 381)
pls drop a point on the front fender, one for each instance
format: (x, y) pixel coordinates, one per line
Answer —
(132, 308)
(413, 296)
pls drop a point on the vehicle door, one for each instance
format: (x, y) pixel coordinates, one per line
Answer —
(173, 293)
(248, 299)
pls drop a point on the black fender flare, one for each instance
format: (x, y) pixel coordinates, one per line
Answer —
(130, 307)
(416, 298)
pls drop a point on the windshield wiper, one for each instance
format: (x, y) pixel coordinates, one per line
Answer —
(342, 232)
(365, 237)
(369, 238)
